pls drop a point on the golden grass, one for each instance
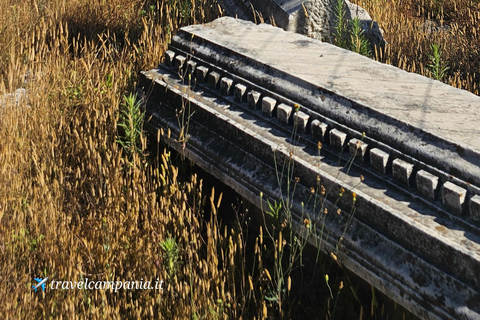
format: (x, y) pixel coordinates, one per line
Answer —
(71, 205)
(411, 26)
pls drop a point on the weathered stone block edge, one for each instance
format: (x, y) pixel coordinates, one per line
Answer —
(417, 299)
(461, 210)
(453, 158)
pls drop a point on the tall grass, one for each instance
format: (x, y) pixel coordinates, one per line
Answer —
(79, 199)
(413, 26)
(68, 207)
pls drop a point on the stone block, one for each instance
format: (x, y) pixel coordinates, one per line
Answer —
(239, 92)
(475, 208)
(226, 86)
(359, 148)
(253, 98)
(213, 79)
(191, 65)
(268, 105)
(169, 56)
(315, 18)
(301, 120)
(319, 130)
(453, 197)
(337, 138)
(379, 160)
(283, 113)
(402, 171)
(201, 73)
(427, 183)
(180, 61)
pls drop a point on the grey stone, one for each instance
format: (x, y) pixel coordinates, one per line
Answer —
(301, 120)
(379, 160)
(337, 138)
(226, 85)
(427, 183)
(475, 207)
(358, 147)
(201, 73)
(268, 105)
(239, 92)
(319, 129)
(453, 197)
(305, 70)
(213, 79)
(402, 171)
(253, 98)
(315, 18)
(432, 125)
(179, 61)
(169, 56)
(191, 65)
(283, 113)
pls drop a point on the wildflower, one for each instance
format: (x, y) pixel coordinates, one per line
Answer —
(339, 211)
(361, 177)
(312, 190)
(325, 211)
(354, 196)
(319, 145)
(297, 179)
(324, 191)
(307, 223)
(297, 107)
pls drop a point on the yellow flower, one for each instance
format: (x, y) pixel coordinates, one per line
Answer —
(306, 222)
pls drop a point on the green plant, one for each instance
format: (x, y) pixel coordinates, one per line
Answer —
(130, 123)
(340, 33)
(358, 42)
(171, 256)
(349, 34)
(437, 67)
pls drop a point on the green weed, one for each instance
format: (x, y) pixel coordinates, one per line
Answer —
(130, 123)
(437, 67)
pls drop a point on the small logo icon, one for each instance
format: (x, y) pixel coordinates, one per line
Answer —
(41, 283)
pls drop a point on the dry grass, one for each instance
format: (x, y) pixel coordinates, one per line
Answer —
(72, 206)
(411, 26)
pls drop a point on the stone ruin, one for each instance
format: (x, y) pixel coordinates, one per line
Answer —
(415, 233)
(314, 18)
